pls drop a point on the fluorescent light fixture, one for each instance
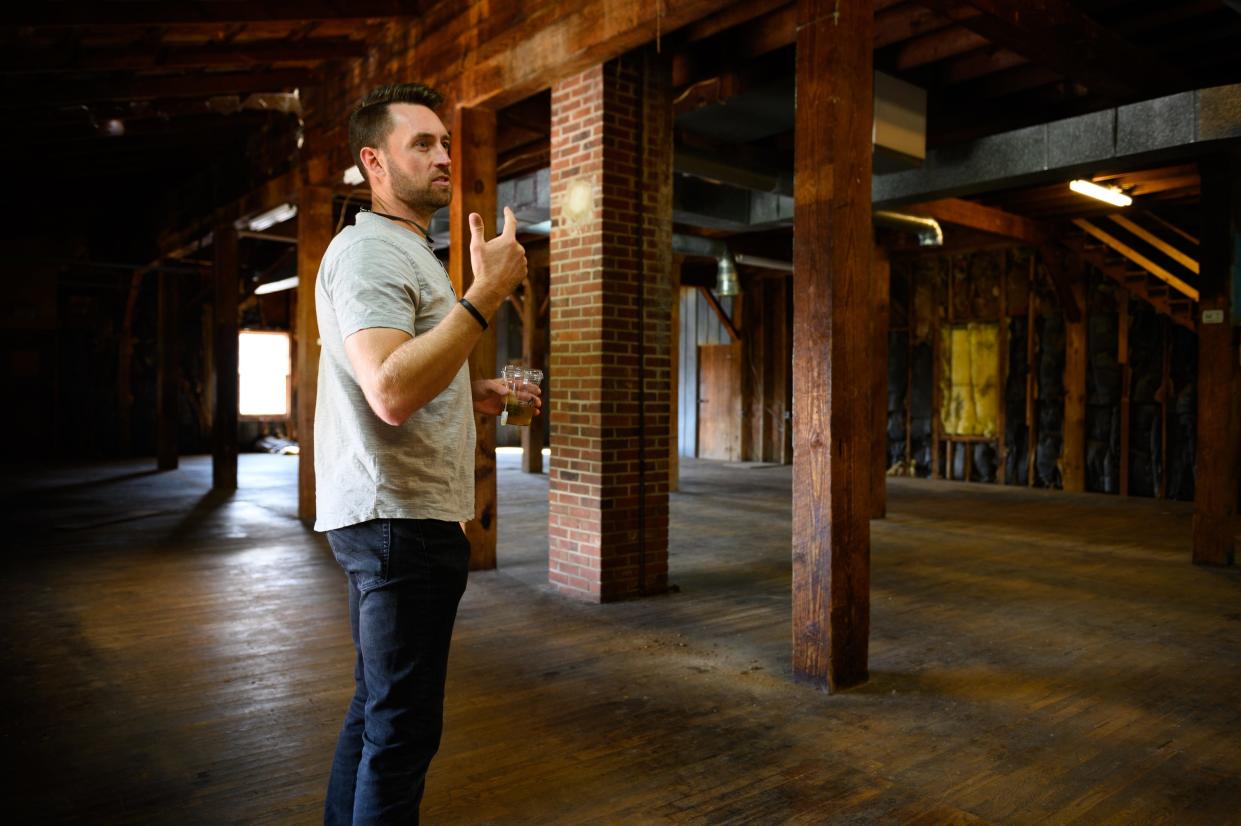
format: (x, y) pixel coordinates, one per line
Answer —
(1108, 194)
(276, 286)
(271, 217)
(352, 176)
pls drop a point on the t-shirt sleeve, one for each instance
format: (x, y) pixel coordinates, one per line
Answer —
(373, 284)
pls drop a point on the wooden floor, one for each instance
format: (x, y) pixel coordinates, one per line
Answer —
(175, 657)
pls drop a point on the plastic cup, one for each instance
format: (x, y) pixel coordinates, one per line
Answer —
(519, 405)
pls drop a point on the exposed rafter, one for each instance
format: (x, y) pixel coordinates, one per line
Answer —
(139, 13)
(87, 90)
(1136, 257)
(1054, 34)
(988, 219)
(37, 61)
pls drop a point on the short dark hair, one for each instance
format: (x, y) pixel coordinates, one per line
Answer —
(370, 125)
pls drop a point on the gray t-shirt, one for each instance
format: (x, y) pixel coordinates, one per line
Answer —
(379, 274)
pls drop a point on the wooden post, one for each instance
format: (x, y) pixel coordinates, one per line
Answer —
(1001, 444)
(534, 353)
(314, 232)
(1031, 374)
(168, 375)
(1073, 448)
(674, 378)
(224, 419)
(474, 190)
(124, 364)
(911, 331)
(1219, 385)
(1165, 403)
(937, 424)
(1126, 382)
(831, 362)
(881, 320)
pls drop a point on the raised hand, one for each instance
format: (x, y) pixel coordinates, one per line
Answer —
(499, 264)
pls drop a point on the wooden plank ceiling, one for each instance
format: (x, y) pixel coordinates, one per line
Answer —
(155, 88)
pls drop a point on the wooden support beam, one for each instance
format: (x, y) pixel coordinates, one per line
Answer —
(674, 377)
(224, 348)
(1126, 383)
(1158, 243)
(721, 313)
(881, 322)
(1001, 381)
(315, 229)
(1171, 227)
(832, 368)
(1218, 439)
(1165, 404)
(168, 374)
(208, 84)
(534, 352)
(1136, 257)
(984, 218)
(1057, 35)
(1073, 447)
(1031, 374)
(211, 14)
(216, 55)
(939, 304)
(1054, 261)
(569, 38)
(125, 361)
(474, 190)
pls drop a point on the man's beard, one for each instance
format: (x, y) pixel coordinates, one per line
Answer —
(419, 198)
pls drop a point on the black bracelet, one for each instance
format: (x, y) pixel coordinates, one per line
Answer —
(465, 302)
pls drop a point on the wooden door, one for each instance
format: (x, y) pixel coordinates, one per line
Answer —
(719, 402)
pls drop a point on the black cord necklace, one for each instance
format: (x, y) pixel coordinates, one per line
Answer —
(426, 233)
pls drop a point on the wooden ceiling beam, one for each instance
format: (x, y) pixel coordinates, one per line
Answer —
(936, 46)
(987, 219)
(1137, 258)
(1056, 35)
(976, 64)
(563, 38)
(66, 92)
(42, 60)
(63, 13)
(731, 17)
(903, 22)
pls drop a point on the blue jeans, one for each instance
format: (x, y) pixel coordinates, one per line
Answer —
(406, 577)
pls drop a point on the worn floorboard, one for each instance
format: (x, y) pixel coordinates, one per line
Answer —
(174, 656)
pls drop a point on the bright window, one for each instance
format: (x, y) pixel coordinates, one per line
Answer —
(264, 366)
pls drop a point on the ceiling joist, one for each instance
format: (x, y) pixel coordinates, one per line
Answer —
(167, 56)
(1057, 35)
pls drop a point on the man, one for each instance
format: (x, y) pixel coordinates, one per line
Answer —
(394, 444)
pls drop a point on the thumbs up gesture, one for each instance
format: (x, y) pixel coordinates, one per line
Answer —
(499, 264)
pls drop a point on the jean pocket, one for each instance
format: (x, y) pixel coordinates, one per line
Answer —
(430, 550)
(364, 550)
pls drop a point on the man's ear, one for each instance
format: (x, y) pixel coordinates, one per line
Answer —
(372, 161)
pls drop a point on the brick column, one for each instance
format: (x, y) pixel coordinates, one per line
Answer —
(611, 311)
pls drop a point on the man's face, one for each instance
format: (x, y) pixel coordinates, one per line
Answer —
(419, 169)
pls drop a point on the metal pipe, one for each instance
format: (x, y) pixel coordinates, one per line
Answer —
(928, 230)
(763, 263)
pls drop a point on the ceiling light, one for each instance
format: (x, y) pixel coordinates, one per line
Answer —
(276, 286)
(1109, 194)
(271, 217)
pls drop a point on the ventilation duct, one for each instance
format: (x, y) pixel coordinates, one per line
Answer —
(928, 230)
